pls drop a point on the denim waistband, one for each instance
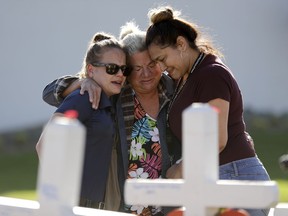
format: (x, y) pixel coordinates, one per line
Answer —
(235, 166)
(244, 169)
(246, 162)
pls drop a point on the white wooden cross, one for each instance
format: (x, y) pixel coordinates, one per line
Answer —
(200, 191)
(280, 210)
(59, 176)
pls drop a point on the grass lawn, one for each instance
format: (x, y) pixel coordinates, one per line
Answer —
(270, 145)
(18, 175)
(283, 185)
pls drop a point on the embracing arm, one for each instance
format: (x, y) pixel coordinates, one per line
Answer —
(54, 92)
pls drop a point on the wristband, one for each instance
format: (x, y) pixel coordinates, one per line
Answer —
(179, 161)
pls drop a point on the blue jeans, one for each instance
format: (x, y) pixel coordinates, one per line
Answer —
(246, 169)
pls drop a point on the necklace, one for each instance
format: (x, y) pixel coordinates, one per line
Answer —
(180, 87)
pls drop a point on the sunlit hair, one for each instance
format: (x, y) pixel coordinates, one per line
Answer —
(99, 44)
(166, 26)
(132, 38)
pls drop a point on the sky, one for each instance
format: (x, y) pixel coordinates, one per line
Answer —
(42, 40)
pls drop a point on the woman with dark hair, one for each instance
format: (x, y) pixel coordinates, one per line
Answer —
(179, 48)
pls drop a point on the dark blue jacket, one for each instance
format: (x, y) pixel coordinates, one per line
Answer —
(100, 131)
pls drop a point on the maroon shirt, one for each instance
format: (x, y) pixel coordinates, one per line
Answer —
(211, 79)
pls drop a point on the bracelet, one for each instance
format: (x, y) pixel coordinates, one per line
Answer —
(179, 161)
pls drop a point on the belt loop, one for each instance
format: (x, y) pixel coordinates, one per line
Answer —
(235, 168)
(89, 203)
(101, 205)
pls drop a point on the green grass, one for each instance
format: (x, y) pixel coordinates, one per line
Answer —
(270, 146)
(21, 194)
(18, 175)
(283, 185)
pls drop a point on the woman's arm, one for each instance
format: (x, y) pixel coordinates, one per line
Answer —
(57, 90)
(40, 141)
(52, 93)
(175, 171)
(223, 108)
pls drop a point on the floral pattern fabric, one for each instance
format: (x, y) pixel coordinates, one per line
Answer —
(145, 158)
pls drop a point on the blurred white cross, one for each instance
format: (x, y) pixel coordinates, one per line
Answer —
(59, 176)
(280, 210)
(201, 192)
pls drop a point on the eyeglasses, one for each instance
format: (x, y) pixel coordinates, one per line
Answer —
(113, 68)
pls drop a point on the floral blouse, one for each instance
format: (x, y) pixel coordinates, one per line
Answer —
(144, 155)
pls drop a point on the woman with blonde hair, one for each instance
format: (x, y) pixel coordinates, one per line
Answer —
(105, 63)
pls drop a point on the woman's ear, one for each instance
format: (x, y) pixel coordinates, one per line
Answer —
(89, 70)
(181, 43)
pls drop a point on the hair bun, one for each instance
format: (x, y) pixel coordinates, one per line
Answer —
(100, 37)
(129, 28)
(160, 14)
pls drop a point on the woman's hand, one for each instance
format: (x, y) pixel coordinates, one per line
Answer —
(175, 171)
(93, 89)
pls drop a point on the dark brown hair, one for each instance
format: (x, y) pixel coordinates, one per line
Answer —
(166, 26)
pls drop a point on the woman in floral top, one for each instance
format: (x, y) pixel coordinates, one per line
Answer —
(147, 92)
(145, 156)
